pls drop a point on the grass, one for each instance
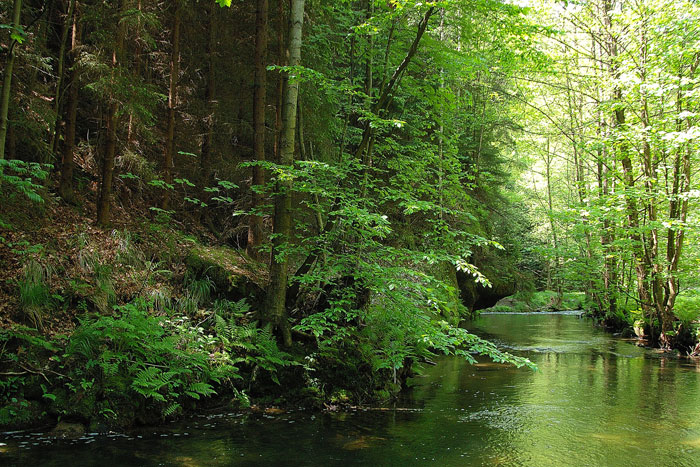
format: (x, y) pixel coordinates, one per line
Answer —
(34, 292)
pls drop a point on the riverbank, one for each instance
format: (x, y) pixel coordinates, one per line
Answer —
(596, 400)
(627, 322)
(149, 320)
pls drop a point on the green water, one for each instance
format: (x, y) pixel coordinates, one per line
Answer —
(596, 400)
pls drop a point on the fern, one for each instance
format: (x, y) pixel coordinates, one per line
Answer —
(171, 409)
(197, 389)
(160, 361)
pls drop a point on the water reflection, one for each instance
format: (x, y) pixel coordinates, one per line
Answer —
(594, 401)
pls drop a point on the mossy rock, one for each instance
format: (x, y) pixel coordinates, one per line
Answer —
(68, 430)
(233, 274)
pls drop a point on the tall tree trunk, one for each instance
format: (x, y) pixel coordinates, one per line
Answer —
(553, 225)
(210, 97)
(281, 61)
(255, 229)
(678, 214)
(104, 201)
(68, 24)
(623, 154)
(172, 105)
(7, 79)
(276, 295)
(607, 302)
(65, 186)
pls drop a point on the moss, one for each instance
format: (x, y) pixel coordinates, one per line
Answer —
(234, 275)
(546, 300)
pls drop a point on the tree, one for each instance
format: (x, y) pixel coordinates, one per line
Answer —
(65, 187)
(15, 37)
(168, 155)
(255, 229)
(277, 290)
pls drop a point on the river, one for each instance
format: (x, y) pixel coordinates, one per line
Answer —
(595, 401)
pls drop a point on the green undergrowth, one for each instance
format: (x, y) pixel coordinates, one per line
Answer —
(686, 326)
(132, 366)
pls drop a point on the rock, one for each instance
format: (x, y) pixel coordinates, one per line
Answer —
(506, 302)
(233, 274)
(68, 430)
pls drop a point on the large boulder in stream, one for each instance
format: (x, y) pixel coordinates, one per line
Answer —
(68, 430)
(503, 276)
(476, 296)
(234, 275)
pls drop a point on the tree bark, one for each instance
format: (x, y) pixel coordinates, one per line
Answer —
(210, 96)
(68, 24)
(168, 156)
(276, 296)
(255, 228)
(281, 61)
(104, 202)
(65, 186)
(7, 80)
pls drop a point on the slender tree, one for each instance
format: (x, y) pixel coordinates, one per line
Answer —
(255, 229)
(168, 155)
(277, 290)
(104, 201)
(65, 187)
(7, 78)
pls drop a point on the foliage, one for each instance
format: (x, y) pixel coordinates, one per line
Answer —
(687, 307)
(162, 362)
(23, 177)
(248, 344)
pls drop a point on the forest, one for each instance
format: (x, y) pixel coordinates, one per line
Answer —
(269, 202)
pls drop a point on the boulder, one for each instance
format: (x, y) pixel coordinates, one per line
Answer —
(68, 430)
(234, 275)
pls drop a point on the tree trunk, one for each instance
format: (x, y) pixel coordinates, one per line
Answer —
(104, 202)
(210, 96)
(172, 104)
(7, 80)
(68, 24)
(276, 296)
(65, 186)
(281, 61)
(255, 229)
(628, 178)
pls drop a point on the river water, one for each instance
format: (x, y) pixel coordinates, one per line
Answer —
(595, 401)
